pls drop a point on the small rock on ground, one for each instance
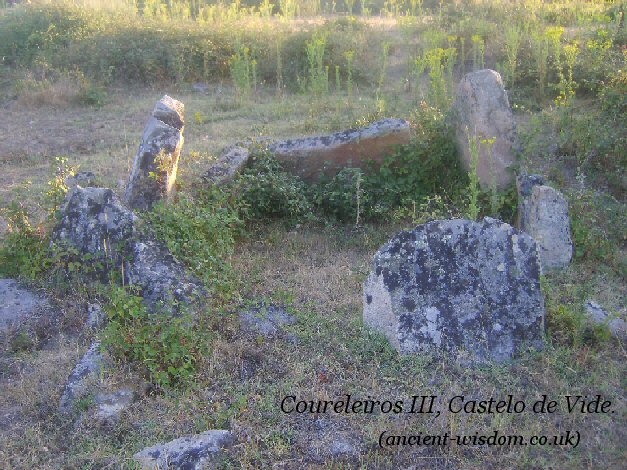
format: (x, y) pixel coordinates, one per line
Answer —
(200, 451)
(596, 313)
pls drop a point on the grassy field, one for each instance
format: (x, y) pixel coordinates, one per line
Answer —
(79, 79)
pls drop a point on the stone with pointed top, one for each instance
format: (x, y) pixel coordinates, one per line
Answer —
(156, 163)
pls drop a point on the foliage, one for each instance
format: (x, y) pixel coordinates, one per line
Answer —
(267, 190)
(426, 166)
(343, 196)
(24, 250)
(200, 231)
(167, 346)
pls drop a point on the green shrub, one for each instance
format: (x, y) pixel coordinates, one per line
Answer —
(24, 251)
(200, 231)
(427, 166)
(167, 346)
(343, 196)
(267, 191)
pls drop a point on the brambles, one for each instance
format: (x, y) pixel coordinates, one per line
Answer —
(268, 191)
(169, 347)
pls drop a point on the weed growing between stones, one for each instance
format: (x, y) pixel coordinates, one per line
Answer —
(167, 346)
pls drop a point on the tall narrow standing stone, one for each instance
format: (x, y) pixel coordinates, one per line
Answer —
(156, 163)
(483, 112)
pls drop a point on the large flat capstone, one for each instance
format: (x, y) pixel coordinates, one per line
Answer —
(469, 288)
(312, 157)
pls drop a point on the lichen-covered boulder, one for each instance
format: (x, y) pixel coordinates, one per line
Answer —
(543, 214)
(154, 169)
(458, 286)
(201, 451)
(95, 221)
(312, 157)
(482, 111)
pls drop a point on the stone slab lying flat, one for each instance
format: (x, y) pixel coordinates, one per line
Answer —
(311, 157)
(200, 451)
(18, 305)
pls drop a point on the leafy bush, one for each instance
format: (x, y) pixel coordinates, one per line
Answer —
(200, 231)
(343, 196)
(267, 191)
(167, 346)
(429, 165)
(24, 251)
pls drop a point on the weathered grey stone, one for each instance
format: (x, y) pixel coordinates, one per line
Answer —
(228, 165)
(617, 326)
(482, 111)
(201, 451)
(19, 306)
(524, 185)
(96, 317)
(543, 214)
(160, 276)
(110, 405)
(311, 157)
(457, 285)
(85, 372)
(154, 169)
(82, 178)
(94, 221)
(265, 320)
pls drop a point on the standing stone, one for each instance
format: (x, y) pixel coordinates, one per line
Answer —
(201, 451)
(457, 285)
(311, 157)
(156, 163)
(543, 214)
(483, 111)
(94, 221)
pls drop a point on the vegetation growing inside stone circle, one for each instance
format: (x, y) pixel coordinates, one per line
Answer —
(78, 77)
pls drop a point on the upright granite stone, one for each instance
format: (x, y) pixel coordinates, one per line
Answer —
(458, 285)
(311, 157)
(483, 112)
(201, 451)
(154, 169)
(94, 221)
(543, 214)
